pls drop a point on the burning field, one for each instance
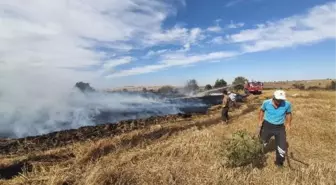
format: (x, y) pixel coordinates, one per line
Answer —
(183, 148)
(32, 116)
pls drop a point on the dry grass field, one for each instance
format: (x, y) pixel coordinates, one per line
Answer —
(189, 151)
(323, 83)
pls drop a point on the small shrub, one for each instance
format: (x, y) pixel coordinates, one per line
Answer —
(243, 149)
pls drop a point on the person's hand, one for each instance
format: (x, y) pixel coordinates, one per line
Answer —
(288, 126)
(258, 130)
(260, 123)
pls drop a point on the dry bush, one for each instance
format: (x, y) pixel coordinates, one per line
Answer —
(243, 149)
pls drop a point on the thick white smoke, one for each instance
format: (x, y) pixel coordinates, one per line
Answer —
(71, 110)
(33, 104)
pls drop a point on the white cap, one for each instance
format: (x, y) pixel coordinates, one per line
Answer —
(280, 95)
(229, 92)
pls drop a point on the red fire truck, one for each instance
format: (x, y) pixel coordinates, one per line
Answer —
(253, 87)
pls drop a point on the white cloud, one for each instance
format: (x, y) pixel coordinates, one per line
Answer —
(195, 34)
(62, 34)
(58, 35)
(235, 25)
(177, 35)
(138, 70)
(218, 29)
(174, 59)
(65, 25)
(193, 38)
(233, 2)
(155, 53)
(183, 59)
(217, 21)
(218, 40)
(118, 47)
(316, 25)
(111, 64)
(214, 29)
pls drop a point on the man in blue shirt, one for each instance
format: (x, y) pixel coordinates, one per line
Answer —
(274, 117)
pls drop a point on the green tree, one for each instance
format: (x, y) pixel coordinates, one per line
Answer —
(238, 83)
(191, 86)
(208, 87)
(84, 87)
(220, 83)
(166, 89)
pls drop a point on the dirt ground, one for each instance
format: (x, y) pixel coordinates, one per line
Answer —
(177, 149)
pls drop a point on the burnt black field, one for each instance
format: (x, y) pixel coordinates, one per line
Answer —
(166, 105)
(183, 105)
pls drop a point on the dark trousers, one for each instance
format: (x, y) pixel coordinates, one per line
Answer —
(279, 132)
(225, 113)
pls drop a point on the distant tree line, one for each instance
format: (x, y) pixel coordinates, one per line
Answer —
(192, 87)
(237, 84)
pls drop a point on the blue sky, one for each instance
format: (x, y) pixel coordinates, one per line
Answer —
(136, 42)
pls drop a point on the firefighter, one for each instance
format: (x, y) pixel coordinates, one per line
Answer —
(225, 107)
(274, 118)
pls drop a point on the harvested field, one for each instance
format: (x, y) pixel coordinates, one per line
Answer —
(308, 84)
(177, 149)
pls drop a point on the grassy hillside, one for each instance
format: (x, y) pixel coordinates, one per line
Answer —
(189, 151)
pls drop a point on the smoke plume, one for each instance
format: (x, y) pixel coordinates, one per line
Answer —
(33, 105)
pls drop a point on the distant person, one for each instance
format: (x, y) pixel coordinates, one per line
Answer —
(233, 98)
(274, 118)
(225, 107)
